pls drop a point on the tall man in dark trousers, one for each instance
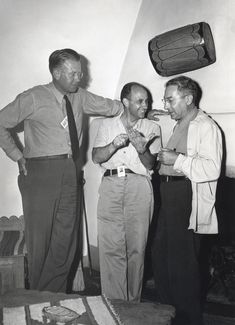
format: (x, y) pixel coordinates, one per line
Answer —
(190, 168)
(52, 116)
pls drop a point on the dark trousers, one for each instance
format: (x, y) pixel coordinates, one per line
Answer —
(175, 253)
(49, 196)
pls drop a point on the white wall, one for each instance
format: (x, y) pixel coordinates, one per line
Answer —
(217, 80)
(30, 30)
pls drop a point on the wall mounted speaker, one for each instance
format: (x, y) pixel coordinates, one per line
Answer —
(183, 49)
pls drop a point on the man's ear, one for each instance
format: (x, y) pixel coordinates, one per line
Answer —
(189, 99)
(56, 74)
(125, 102)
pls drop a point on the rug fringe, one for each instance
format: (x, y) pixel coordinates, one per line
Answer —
(108, 302)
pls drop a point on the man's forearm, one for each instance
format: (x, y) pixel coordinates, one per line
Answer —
(102, 154)
(99, 106)
(8, 145)
(147, 159)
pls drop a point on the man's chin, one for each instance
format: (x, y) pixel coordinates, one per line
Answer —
(73, 89)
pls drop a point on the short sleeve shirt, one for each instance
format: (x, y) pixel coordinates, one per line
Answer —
(127, 156)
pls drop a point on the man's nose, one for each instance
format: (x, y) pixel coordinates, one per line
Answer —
(166, 105)
(145, 105)
(77, 77)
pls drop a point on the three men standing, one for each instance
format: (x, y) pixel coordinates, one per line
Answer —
(126, 146)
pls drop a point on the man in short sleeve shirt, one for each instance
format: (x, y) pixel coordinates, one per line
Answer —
(126, 147)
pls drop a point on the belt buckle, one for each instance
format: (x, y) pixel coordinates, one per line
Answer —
(121, 171)
(167, 178)
(69, 156)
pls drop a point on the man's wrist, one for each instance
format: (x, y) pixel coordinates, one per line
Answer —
(113, 147)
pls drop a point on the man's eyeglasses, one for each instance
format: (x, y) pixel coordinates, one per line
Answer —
(79, 75)
(167, 100)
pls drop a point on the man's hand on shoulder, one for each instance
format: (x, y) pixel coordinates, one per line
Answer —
(154, 113)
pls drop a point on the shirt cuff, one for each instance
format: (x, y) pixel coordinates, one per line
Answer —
(178, 163)
(15, 154)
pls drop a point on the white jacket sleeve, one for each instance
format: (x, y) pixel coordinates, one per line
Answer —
(204, 151)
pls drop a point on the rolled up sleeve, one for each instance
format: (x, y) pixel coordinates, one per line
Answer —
(202, 164)
(98, 105)
(10, 116)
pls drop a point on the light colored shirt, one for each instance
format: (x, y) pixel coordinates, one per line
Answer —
(127, 156)
(42, 110)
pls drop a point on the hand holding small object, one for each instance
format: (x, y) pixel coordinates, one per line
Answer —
(138, 140)
(167, 156)
(120, 140)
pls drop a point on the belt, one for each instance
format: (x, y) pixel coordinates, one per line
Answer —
(169, 178)
(64, 156)
(111, 172)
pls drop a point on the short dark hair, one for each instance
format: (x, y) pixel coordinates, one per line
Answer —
(185, 85)
(126, 90)
(58, 57)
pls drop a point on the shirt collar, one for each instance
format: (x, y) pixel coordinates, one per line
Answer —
(56, 92)
(137, 124)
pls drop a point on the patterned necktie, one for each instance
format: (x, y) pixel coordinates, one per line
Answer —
(72, 129)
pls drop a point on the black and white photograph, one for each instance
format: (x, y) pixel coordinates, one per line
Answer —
(117, 162)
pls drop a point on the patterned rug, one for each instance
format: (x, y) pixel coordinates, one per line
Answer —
(96, 310)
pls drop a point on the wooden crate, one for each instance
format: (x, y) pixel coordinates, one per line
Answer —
(12, 273)
(12, 253)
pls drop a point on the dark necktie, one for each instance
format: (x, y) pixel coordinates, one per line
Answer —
(72, 129)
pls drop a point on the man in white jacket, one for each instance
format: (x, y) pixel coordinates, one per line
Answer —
(189, 170)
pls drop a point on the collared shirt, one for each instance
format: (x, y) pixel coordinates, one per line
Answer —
(42, 110)
(127, 156)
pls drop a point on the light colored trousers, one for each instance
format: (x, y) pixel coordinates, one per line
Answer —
(125, 210)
